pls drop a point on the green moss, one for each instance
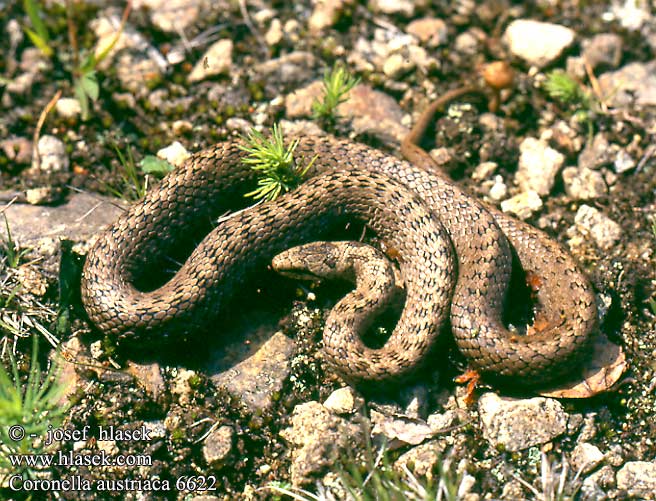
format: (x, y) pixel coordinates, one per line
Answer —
(178, 436)
(154, 81)
(256, 90)
(109, 346)
(194, 382)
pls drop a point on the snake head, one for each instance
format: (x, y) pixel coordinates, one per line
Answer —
(305, 262)
(314, 261)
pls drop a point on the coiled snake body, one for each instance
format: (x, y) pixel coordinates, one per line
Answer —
(454, 255)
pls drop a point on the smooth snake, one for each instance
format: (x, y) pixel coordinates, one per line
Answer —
(453, 252)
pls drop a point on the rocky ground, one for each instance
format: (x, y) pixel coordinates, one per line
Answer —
(253, 407)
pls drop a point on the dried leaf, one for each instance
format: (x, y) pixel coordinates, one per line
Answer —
(602, 370)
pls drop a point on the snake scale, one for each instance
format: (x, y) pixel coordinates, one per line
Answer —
(453, 252)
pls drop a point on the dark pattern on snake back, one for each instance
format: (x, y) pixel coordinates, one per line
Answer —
(418, 212)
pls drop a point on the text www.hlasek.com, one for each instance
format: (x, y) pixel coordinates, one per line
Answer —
(73, 459)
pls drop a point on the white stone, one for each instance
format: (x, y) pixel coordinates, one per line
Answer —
(263, 16)
(431, 31)
(468, 42)
(586, 457)
(638, 478)
(499, 190)
(52, 152)
(292, 28)
(274, 34)
(582, 183)
(39, 196)
(397, 65)
(341, 401)
(484, 170)
(218, 445)
(136, 70)
(175, 154)
(419, 57)
(592, 222)
(68, 107)
(316, 437)
(325, 14)
(217, 60)
(171, 15)
(623, 162)
(518, 424)
(522, 205)
(632, 84)
(536, 42)
(631, 14)
(96, 349)
(538, 166)
(180, 127)
(441, 422)
(401, 7)
(180, 385)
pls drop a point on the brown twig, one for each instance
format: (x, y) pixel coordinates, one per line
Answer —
(124, 19)
(8, 204)
(251, 27)
(596, 88)
(72, 34)
(36, 157)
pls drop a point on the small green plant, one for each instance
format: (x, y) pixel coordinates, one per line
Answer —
(134, 185)
(378, 479)
(562, 87)
(337, 83)
(284, 489)
(12, 252)
(7, 300)
(556, 481)
(85, 78)
(29, 408)
(39, 35)
(274, 162)
(384, 481)
(84, 62)
(559, 85)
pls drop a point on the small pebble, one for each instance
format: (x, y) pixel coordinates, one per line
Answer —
(52, 152)
(603, 230)
(623, 162)
(429, 30)
(216, 60)
(342, 401)
(522, 205)
(68, 107)
(499, 190)
(400, 7)
(538, 166)
(175, 154)
(536, 42)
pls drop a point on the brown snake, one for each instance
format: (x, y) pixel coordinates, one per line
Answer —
(453, 252)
